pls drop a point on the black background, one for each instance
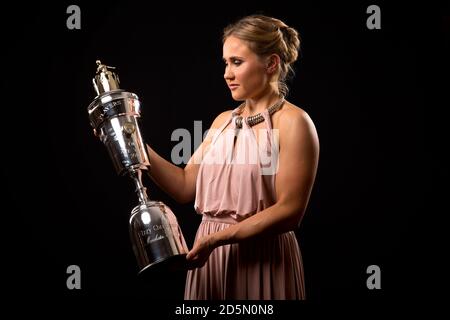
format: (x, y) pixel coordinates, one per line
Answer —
(364, 90)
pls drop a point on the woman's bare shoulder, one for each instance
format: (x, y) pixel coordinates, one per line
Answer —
(221, 118)
(295, 122)
(291, 114)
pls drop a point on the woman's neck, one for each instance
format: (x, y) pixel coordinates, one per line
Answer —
(257, 105)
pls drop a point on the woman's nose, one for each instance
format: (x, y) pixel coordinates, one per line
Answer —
(228, 74)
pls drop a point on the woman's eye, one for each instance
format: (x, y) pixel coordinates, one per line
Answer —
(235, 62)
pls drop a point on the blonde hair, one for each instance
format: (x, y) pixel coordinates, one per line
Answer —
(265, 36)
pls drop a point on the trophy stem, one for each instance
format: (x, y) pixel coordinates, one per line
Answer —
(136, 175)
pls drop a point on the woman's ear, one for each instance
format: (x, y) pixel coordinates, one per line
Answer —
(273, 61)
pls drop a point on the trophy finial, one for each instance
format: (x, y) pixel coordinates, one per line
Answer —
(105, 80)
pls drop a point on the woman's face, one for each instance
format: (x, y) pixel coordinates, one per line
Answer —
(245, 72)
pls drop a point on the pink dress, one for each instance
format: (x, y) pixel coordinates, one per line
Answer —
(233, 184)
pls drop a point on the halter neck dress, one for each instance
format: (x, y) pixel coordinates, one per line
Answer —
(233, 183)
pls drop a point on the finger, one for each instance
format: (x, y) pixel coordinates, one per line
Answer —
(191, 254)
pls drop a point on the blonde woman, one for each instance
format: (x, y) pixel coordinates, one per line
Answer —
(252, 176)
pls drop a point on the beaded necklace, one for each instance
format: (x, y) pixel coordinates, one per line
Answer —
(257, 118)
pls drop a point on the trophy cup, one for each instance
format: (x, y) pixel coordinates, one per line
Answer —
(154, 231)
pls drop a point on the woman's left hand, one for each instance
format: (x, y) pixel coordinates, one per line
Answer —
(200, 252)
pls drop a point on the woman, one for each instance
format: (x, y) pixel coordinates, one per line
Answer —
(252, 176)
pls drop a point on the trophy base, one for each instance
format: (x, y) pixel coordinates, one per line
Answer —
(172, 263)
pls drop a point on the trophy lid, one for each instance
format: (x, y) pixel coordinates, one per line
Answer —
(105, 80)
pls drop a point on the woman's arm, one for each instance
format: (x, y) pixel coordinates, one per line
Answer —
(298, 160)
(180, 183)
(166, 175)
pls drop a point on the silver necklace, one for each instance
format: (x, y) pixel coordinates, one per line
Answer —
(257, 118)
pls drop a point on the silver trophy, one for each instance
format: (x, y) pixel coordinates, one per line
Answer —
(154, 231)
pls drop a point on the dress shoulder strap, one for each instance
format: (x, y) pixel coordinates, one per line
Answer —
(223, 126)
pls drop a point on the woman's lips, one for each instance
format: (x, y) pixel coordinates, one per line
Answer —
(233, 86)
